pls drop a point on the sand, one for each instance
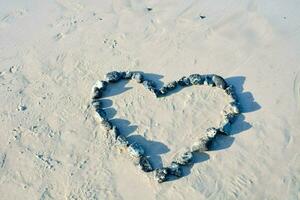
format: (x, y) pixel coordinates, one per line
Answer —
(52, 52)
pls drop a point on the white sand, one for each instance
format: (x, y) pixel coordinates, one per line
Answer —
(52, 52)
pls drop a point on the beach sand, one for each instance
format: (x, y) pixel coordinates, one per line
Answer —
(52, 52)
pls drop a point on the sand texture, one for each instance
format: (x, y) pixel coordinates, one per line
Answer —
(52, 53)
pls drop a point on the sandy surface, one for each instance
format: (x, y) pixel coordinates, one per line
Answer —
(52, 52)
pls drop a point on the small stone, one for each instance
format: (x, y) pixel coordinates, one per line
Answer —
(208, 80)
(97, 93)
(121, 142)
(138, 77)
(161, 174)
(163, 90)
(184, 81)
(149, 85)
(203, 143)
(172, 85)
(157, 92)
(145, 164)
(113, 76)
(136, 150)
(100, 85)
(96, 103)
(219, 81)
(106, 125)
(127, 75)
(174, 169)
(225, 126)
(22, 108)
(114, 133)
(183, 157)
(196, 79)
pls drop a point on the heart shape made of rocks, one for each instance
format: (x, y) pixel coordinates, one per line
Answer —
(183, 157)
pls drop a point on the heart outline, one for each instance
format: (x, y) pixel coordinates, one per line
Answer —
(183, 158)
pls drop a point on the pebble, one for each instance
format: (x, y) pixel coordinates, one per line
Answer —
(184, 81)
(145, 164)
(127, 75)
(22, 108)
(203, 143)
(106, 125)
(196, 79)
(113, 76)
(136, 150)
(219, 81)
(114, 133)
(208, 80)
(174, 169)
(138, 77)
(121, 142)
(172, 85)
(161, 174)
(225, 126)
(183, 157)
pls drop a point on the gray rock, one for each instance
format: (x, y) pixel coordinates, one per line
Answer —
(161, 174)
(219, 81)
(203, 143)
(127, 75)
(121, 142)
(149, 85)
(138, 77)
(184, 81)
(174, 169)
(101, 85)
(114, 133)
(163, 90)
(183, 157)
(136, 150)
(97, 93)
(172, 85)
(106, 125)
(208, 80)
(96, 104)
(225, 126)
(145, 165)
(113, 76)
(196, 79)
(230, 91)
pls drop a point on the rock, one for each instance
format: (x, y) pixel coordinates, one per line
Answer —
(145, 165)
(114, 133)
(183, 157)
(208, 80)
(184, 81)
(163, 90)
(230, 91)
(100, 85)
(106, 125)
(225, 126)
(136, 150)
(174, 169)
(157, 93)
(127, 75)
(97, 93)
(161, 174)
(121, 142)
(138, 77)
(203, 143)
(196, 79)
(96, 104)
(219, 81)
(172, 85)
(101, 113)
(149, 85)
(113, 76)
